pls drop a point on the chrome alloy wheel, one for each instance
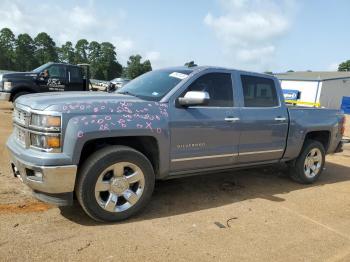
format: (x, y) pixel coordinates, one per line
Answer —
(313, 163)
(119, 187)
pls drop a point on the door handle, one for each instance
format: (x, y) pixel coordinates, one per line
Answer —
(280, 118)
(231, 119)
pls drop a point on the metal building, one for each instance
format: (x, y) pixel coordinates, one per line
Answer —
(325, 89)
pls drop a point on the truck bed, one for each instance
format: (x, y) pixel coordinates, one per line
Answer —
(303, 120)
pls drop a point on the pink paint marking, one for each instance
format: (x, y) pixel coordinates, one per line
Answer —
(80, 134)
(149, 126)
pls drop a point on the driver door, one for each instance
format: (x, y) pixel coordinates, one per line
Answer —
(56, 79)
(205, 136)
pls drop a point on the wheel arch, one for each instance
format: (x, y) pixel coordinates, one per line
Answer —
(322, 136)
(147, 145)
(20, 89)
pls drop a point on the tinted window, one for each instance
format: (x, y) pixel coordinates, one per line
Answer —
(75, 74)
(259, 91)
(57, 71)
(219, 87)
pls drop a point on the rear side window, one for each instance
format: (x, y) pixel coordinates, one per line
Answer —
(259, 91)
(219, 87)
(75, 74)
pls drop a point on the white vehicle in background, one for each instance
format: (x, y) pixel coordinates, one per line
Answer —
(117, 83)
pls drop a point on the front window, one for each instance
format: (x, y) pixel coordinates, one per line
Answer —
(154, 85)
(218, 86)
(57, 71)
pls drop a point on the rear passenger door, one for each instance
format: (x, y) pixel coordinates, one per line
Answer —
(75, 79)
(264, 120)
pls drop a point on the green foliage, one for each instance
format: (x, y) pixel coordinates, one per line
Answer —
(45, 49)
(135, 67)
(345, 66)
(81, 51)
(66, 53)
(24, 54)
(102, 58)
(190, 64)
(7, 49)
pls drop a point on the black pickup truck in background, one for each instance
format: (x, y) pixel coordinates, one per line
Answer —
(49, 77)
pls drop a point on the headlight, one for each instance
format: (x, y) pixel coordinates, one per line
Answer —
(7, 86)
(46, 122)
(46, 142)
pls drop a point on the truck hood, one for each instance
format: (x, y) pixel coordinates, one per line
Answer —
(57, 101)
(19, 75)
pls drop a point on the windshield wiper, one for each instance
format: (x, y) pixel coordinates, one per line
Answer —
(126, 93)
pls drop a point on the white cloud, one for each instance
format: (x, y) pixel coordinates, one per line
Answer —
(152, 55)
(333, 66)
(155, 58)
(70, 22)
(248, 29)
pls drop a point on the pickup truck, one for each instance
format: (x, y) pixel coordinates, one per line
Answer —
(46, 78)
(107, 149)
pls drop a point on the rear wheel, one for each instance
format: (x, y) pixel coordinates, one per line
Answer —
(115, 183)
(308, 167)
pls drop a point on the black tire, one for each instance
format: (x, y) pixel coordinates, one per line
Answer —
(297, 167)
(95, 165)
(17, 95)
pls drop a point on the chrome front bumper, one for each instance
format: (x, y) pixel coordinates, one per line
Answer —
(46, 179)
(5, 96)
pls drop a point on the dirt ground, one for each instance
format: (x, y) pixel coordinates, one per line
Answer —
(255, 215)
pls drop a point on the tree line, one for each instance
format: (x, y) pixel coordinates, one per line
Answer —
(24, 53)
(344, 66)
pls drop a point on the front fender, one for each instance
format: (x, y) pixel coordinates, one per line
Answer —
(115, 120)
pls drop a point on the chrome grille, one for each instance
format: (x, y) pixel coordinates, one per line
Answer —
(20, 117)
(20, 135)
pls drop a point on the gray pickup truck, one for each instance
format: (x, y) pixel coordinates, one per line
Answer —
(108, 149)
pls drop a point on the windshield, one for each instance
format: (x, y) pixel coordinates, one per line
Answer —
(41, 68)
(155, 84)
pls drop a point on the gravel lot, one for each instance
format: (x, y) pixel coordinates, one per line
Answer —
(255, 215)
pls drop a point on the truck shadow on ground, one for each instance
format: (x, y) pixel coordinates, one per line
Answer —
(185, 195)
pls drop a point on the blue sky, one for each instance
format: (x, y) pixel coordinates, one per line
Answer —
(259, 35)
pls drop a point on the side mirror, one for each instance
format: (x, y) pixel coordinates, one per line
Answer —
(194, 98)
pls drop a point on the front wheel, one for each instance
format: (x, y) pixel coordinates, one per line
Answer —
(308, 167)
(115, 183)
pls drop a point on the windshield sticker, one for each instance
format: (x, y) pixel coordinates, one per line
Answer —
(178, 75)
(155, 93)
